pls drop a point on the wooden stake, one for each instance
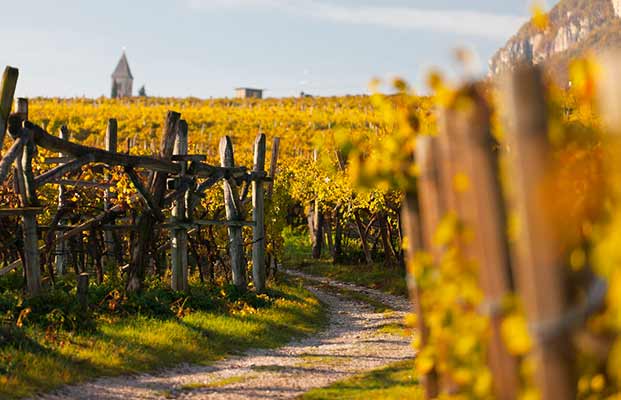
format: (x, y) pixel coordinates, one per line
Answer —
(26, 185)
(110, 250)
(61, 245)
(146, 221)
(179, 236)
(83, 291)
(273, 165)
(539, 266)
(420, 226)
(233, 213)
(484, 213)
(258, 215)
(7, 91)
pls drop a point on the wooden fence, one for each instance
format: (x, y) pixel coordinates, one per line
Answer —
(534, 268)
(174, 178)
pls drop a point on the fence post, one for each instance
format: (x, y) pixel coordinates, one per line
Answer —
(61, 245)
(258, 215)
(420, 227)
(233, 213)
(7, 91)
(179, 249)
(273, 165)
(315, 221)
(23, 164)
(485, 214)
(539, 267)
(110, 250)
(146, 222)
(82, 291)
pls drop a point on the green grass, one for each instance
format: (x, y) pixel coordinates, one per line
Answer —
(391, 383)
(35, 358)
(376, 276)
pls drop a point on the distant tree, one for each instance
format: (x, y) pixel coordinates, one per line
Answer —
(142, 92)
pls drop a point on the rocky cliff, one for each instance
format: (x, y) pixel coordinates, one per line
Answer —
(575, 27)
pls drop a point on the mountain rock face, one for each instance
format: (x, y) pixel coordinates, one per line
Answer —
(572, 25)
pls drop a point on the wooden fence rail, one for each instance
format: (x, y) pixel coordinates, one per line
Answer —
(173, 178)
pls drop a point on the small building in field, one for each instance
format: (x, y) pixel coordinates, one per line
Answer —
(248, 93)
(122, 79)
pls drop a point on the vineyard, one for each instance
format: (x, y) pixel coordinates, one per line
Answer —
(501, 200)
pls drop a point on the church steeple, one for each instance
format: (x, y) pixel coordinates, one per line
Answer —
(122, 79)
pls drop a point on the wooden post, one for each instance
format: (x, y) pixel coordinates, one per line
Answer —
(538, 267)
(61, 245)
(179, 250)
(146, 222)
(258, 215)
(484, 213)
(82, 291)
(233, 213)
(420, 224)
(273, 165)
(412, 231)
(432, 205)
(110, 251)
(7, 91)
(316, 222)
(23, 164)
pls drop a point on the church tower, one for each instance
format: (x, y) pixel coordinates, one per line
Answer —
(122, 79)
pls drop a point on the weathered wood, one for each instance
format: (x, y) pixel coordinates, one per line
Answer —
(58, 160)
(82, 291)
(29, 151)
(61, 245)
(189, 157)
(110, 247)
(32, 265)
(179, 236)
(486, 215)
(21, 108)
(10, 156)
(7, 91)
(52, 143)
(273, 165)
(258, 215)
(28, 196)
(139, 252)
(432, 205)
(62, 169)
(233, 213)
(144, 194)
(538, 267)
(412, 231)
(315, 220)
(11, 212)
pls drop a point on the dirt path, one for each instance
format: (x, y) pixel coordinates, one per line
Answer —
(351, 343)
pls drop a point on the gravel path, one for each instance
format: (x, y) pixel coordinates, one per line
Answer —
(351, 343)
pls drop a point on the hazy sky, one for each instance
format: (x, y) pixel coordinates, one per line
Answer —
(205, 48)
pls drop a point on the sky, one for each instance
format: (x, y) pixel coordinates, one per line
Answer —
(206, 48)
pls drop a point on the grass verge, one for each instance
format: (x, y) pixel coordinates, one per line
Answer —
(376, 276)
(37, 356)
(394, 382)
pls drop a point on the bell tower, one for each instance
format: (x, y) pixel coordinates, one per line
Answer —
(122, 79)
